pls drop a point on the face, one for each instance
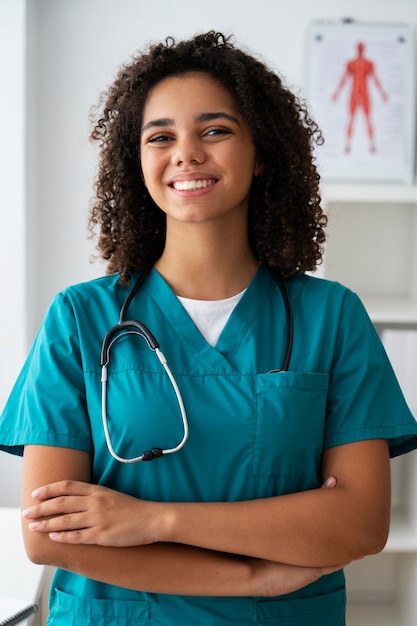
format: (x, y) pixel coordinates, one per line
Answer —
(197, 154)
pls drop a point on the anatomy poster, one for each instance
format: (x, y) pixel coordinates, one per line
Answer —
(362, 95)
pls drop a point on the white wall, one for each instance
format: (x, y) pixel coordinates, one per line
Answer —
(79, 44)
(12, 216)
(74, 48)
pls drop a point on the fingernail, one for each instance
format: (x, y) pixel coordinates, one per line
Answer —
(34, 525)
(54, 535)
(27, 512)
(37, 492)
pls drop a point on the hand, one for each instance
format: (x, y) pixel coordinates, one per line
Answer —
(275, 579)
(81, 513)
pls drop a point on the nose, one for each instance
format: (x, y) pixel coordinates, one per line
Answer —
(188, 151)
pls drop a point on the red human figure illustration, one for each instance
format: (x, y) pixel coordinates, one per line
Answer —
(360, 71)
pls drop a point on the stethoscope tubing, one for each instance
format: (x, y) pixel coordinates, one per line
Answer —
(290, 323)
(133, 327)
(148, 455)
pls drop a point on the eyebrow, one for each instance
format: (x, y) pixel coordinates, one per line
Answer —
(208, 117)
(202, 117)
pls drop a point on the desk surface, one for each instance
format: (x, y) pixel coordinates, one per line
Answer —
(19, 578)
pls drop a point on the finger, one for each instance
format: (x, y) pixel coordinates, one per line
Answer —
(56, 506)
(329, 482)
(62, 523)
(79, 536)
(62, 488)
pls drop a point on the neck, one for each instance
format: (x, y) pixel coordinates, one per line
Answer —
(202, 263)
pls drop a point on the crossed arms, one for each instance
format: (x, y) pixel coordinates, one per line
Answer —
(261, 547)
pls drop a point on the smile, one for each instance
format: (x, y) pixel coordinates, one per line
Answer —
(193, 185)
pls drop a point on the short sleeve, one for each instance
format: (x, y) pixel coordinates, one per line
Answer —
(47, 405)
(365, 400)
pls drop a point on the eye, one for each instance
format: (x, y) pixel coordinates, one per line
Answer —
(160, 138)
(216, 132)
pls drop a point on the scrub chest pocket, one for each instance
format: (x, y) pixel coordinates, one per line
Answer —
(290, 424)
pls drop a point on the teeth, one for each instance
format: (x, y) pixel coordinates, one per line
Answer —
(192, 185)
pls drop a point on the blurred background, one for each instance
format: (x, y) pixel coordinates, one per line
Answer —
(56, 56)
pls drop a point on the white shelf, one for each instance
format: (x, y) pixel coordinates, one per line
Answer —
(403, 534)
(381, 591)
(358, 193)
(386, 311)
(372, 248)
(377, 614)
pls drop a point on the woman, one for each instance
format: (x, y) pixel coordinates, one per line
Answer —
(207, 194)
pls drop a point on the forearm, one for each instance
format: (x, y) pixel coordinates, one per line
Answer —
(277, 529)
(316, 528)
(313, 528)
(177, 569)
(157, 568)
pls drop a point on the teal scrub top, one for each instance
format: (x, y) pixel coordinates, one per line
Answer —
(253, 432)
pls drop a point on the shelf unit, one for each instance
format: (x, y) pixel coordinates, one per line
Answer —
(372, 248)
(382, 267)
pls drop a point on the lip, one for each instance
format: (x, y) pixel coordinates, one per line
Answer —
(191, 176)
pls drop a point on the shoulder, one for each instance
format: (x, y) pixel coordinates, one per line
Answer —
(327, 304)
(320, 289)
(83, 304)
(315, 293)
(94, 294)
(96, 288)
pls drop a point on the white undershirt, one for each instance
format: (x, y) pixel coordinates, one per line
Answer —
(210, 316)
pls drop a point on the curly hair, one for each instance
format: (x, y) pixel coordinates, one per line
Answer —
(285, 219)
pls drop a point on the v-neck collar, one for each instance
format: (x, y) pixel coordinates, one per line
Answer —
(238, 324)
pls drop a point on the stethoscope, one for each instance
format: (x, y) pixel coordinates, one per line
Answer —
(126, 327)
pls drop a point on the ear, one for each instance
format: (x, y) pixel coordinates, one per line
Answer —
(142, 176)
(258, 168)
